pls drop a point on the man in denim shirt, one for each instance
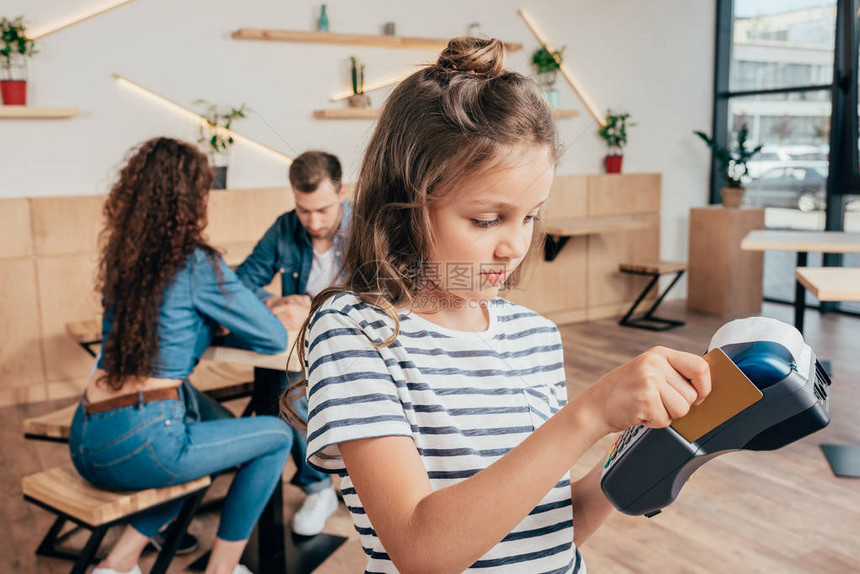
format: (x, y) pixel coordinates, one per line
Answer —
(305, 246)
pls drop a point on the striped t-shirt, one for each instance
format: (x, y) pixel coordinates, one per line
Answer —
(465, 398)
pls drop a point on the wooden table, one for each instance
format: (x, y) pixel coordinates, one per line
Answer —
(278, 362)
(275, 553)
(558, 231)
(802, 242)
(835, 284)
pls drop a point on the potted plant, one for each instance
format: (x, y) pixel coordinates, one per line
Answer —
(216, 138)
(358, 99)
(733, 165)
(614, 133)
(547, 64)
(15, 48)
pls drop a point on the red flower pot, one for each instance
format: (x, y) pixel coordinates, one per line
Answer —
(14, 92)
(613, 163)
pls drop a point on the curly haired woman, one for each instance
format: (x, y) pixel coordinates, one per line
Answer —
(165, 290)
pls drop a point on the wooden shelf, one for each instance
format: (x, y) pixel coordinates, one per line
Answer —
(562, 114)
(347, 114)
(373, 113)
(35, 113)
(374, 40)
(575, 227)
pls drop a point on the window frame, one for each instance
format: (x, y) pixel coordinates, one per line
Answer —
(844, 161)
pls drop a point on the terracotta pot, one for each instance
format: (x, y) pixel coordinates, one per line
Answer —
(359, 101)
(733, 197)
(14, 92)
(613, 163)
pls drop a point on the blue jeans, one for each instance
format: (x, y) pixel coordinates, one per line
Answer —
(151, 445)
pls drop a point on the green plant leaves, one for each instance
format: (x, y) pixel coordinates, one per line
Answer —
(13, 35)
(546, 61)
(614, 130)
(214, 132)
(733, 160)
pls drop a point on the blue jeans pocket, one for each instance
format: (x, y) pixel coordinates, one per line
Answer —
(131, 448)
(137, 469)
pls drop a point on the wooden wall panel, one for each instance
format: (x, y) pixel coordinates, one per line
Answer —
(20, 347)
(15, 232)
(66, 224)
(243, 215)
(554, 286)
(50, 251)
(606, 284)
(623, 194)
(66, 293)
(568, 198)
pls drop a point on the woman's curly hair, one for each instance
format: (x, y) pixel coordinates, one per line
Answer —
(154, 219)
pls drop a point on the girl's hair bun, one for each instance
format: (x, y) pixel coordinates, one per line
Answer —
(484, 57)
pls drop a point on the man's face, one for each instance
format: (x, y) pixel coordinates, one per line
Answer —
(319, 211)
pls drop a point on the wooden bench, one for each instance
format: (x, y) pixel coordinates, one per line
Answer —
(53, 426)
(831, 283)
(654, 270)
(835, 284)
(65, 493)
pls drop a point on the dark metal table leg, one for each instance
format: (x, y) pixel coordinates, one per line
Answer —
(271, 532)
(799, 295)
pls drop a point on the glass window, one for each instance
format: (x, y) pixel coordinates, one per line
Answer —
(782, 44)
(789, 177)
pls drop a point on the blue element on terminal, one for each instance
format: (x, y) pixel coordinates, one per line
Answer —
(765, 363)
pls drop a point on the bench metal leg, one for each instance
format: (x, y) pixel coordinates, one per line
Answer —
(83, 559)
(648, 320)
(49, 546)
(174, 534)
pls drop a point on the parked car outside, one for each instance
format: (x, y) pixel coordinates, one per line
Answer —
(773, 156)
(792, 186)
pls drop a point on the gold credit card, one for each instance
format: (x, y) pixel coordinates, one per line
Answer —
(731, 392)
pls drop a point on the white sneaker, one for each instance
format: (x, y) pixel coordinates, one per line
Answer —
(135, 570)
(241, 569)
(311, 517)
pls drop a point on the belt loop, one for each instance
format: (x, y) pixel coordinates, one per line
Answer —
(140, 399)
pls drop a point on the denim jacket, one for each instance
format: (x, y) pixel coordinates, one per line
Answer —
(194, 304)
(287, 248)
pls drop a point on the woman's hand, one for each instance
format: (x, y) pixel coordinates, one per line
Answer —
(653, 389)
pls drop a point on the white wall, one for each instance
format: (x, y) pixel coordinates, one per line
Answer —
(654, 59)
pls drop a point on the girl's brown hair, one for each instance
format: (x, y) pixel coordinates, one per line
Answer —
(454, 118)
(154, 219)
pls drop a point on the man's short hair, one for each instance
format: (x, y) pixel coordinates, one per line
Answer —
(309, 170)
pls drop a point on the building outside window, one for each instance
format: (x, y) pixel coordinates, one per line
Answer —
(779, 82)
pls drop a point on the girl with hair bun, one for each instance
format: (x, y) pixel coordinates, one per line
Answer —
(442, 405)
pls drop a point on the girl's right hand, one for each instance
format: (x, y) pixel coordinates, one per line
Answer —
(653, 389)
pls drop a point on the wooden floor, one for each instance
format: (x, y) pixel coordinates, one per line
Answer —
(775, 512)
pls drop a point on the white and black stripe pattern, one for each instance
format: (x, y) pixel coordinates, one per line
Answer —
(466, 399)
